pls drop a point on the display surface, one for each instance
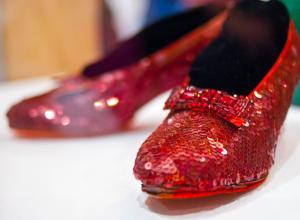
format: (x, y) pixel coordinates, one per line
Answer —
(92, 178)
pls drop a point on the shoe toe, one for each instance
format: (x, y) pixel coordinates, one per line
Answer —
(189, 152)
(65, 115)
(36, 114)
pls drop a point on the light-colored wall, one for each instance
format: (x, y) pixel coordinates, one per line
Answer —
(129, 15)
(43, 37)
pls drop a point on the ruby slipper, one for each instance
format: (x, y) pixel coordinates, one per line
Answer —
(224, 122)
(106, 95)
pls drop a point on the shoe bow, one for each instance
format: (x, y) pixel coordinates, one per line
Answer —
(228, 107)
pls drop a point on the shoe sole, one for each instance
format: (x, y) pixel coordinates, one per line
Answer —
(172, 194)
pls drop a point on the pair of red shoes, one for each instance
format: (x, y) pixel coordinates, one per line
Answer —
(225, 118)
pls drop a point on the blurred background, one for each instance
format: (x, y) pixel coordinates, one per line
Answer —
(46, 37)
(59, 37)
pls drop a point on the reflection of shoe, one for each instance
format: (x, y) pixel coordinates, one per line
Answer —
(109, 92)
(221, 133)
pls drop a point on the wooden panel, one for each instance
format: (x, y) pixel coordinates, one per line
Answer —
(43, 37)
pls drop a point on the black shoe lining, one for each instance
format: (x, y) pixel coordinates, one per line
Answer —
(152, 39)
(251, 41)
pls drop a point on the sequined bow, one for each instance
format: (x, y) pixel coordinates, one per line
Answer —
(229, 107)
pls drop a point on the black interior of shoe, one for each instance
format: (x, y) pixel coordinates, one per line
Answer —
(251, 41)
(152, 39)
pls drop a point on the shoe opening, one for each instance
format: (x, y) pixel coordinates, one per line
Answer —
(153, 38)
(252, 39)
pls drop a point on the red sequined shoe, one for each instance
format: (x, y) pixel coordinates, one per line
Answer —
(221, 133)
(107, 94)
